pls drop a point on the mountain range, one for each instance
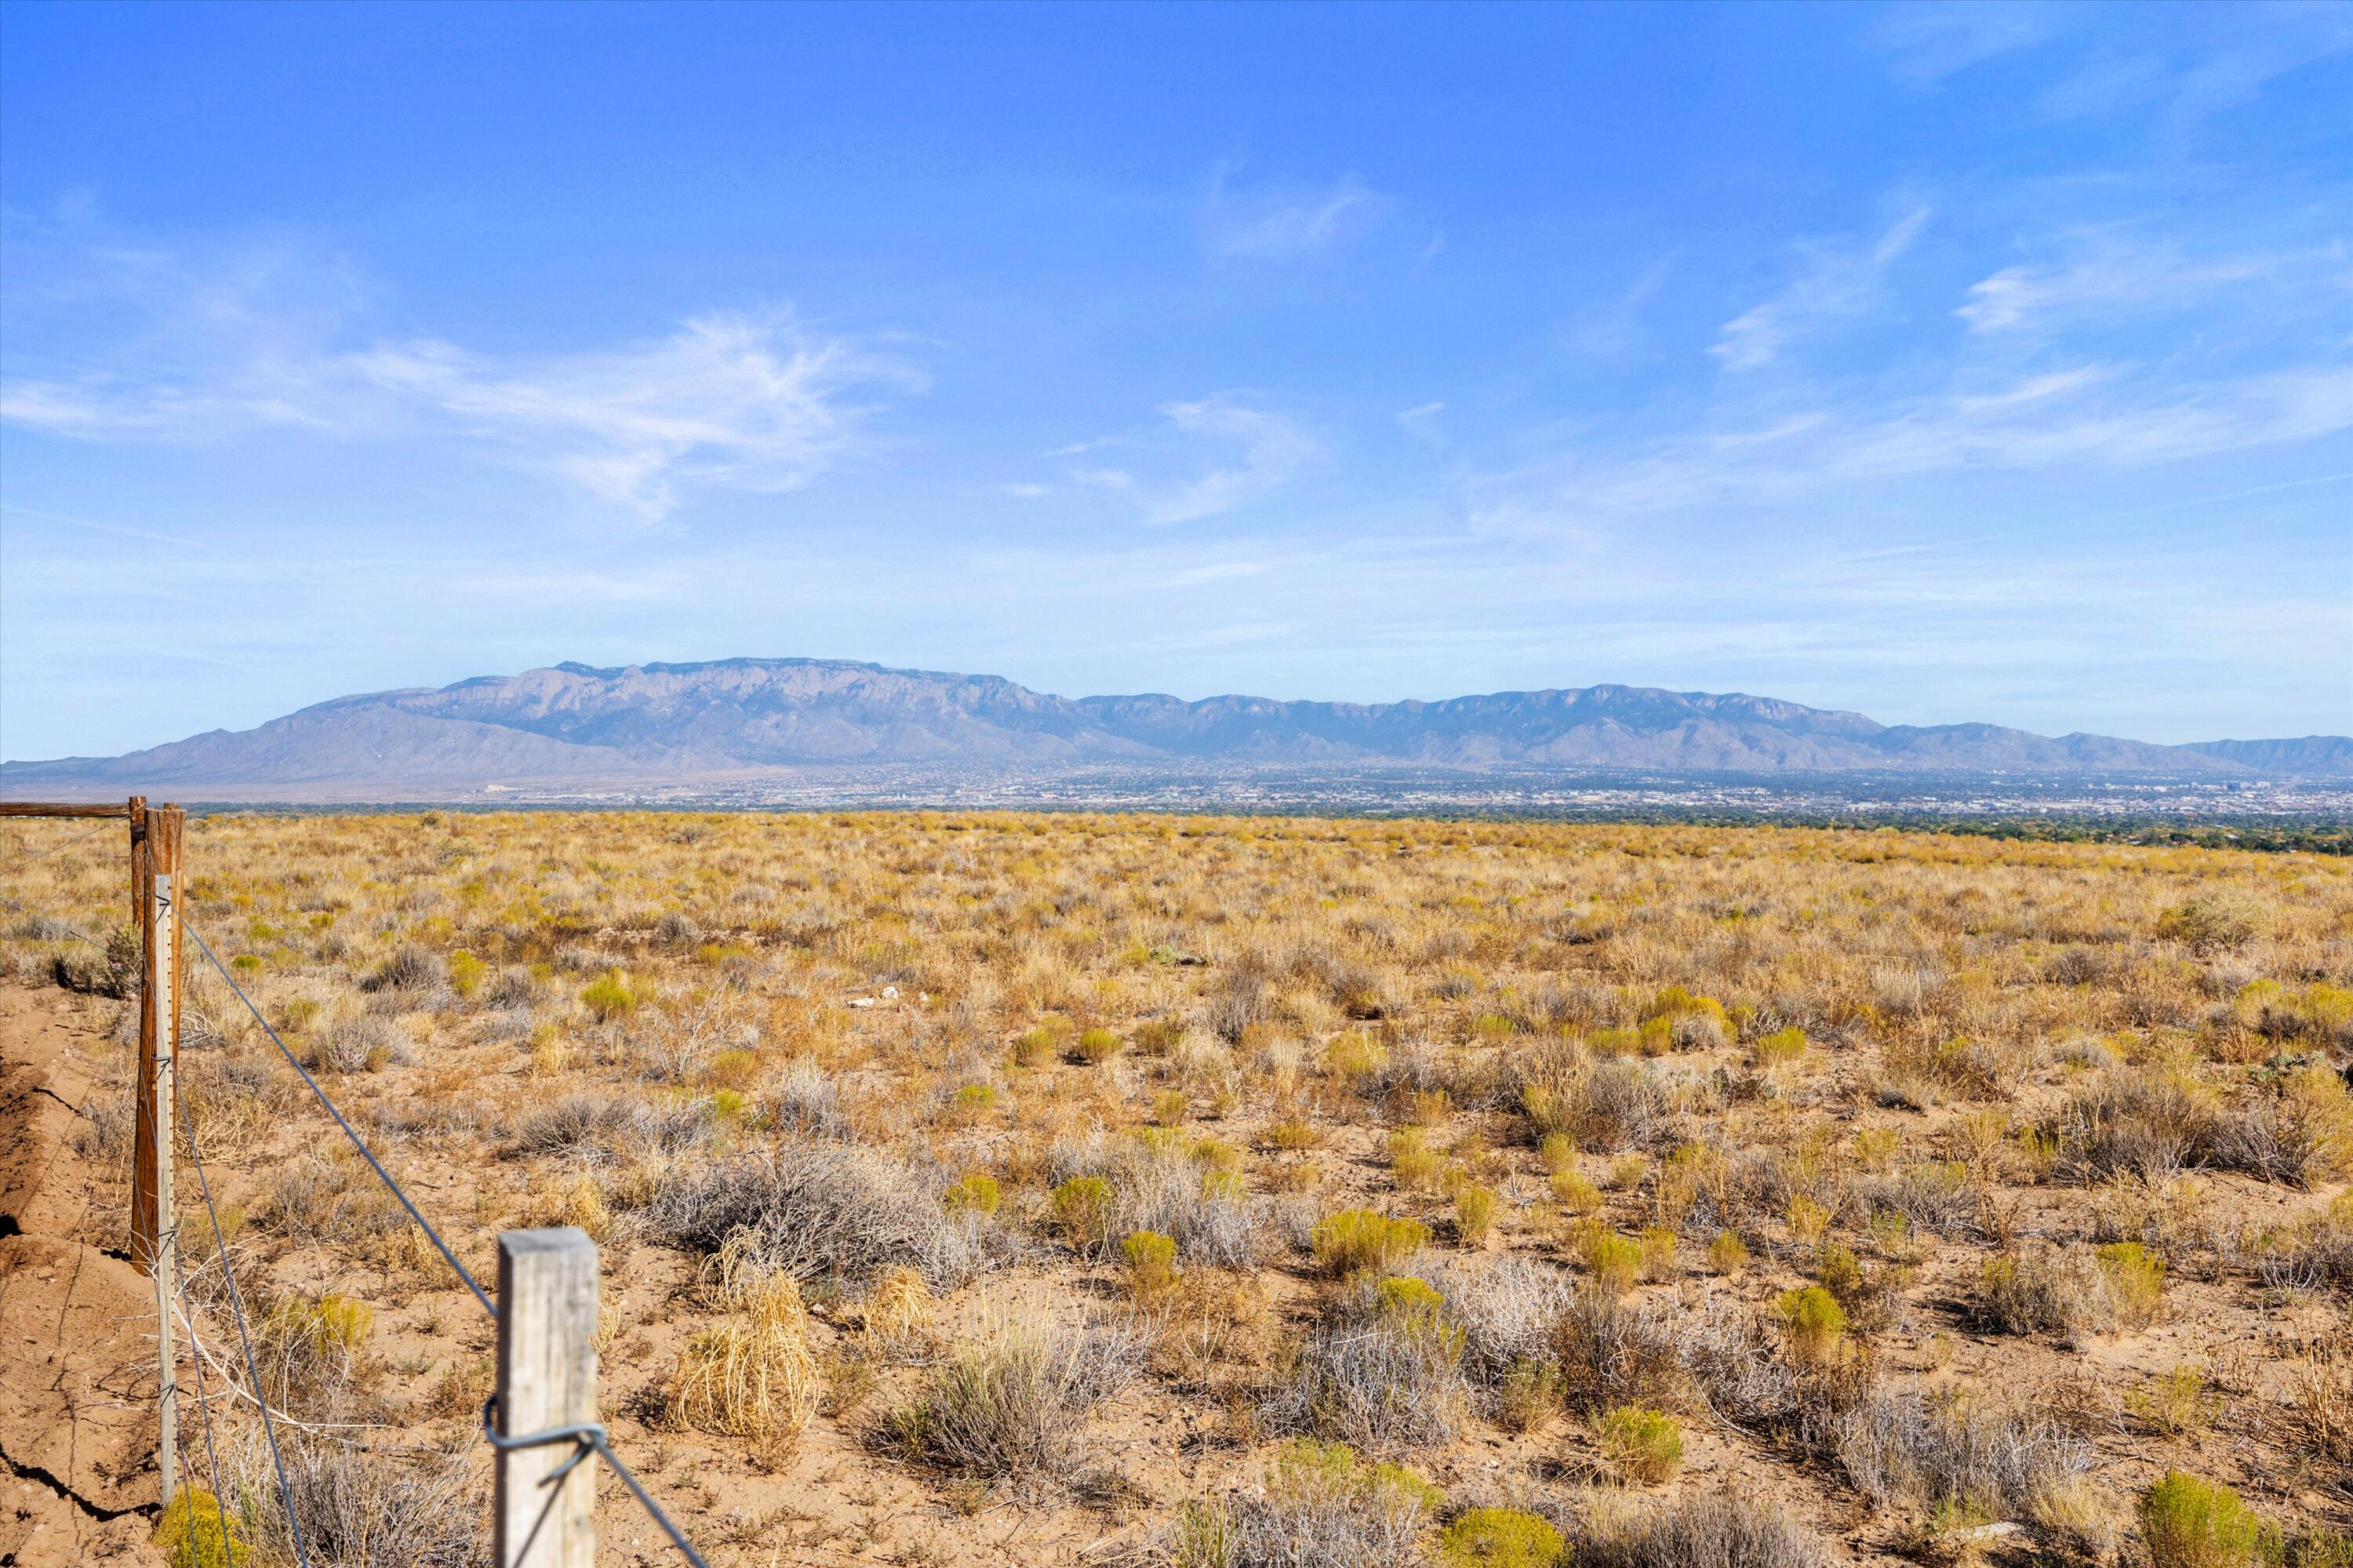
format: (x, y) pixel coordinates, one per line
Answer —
(736, 719)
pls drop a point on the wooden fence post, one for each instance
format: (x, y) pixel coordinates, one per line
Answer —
(547, 1378)
(155, 862)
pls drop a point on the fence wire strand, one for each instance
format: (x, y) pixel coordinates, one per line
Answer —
(602, 1448)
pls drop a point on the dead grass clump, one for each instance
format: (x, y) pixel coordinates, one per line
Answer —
(814, 1209)
(1315, 1503)
(1900, 1447)
(808, 1101)
(2135, 1122)
(2072, 1291)
(367, 1044)
(1382, 1369)
(751, 1375)
(367, 1509)
(1016, 1403)
(1721, 1530)
(2297, 1130)
(1506, 1310)
(410, 966)
(576, 1127)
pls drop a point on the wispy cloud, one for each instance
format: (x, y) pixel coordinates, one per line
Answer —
(741, 400)
(1213, 455)
(1925, 43)
(1282, 222)
(1835, 281)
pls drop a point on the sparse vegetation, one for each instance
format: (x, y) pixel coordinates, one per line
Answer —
(1577, 1142)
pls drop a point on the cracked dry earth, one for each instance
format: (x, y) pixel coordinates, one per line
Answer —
(78, 1478)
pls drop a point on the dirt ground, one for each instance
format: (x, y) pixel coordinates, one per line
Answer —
(77, 1320)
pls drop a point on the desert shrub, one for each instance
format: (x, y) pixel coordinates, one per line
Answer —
(813, 1208)
(1727, 1254)
(1506, 1310)
(1901, 1447)
(2207, 925)
(1315, 1503)
(1356, 1240)
(2187, 1522)
(1083, 1209)
(357, 1509)
(2299, 1132)
(197, 1531)
(1096, 1045)
(753, 1374)
(975, 1193)
(365, 1044)
(1812, 1322)
(1643, 1445)
(1612, 1353)
(609, 996)
(577, 1126)
(1721, 1530)
(1016, 1403)
(1189, 1189)
(113, 970)
(1614, 1262)
(1382, 1369)
(1151, 1260)
(1501, 1538)
(1780, 1048)
(2148, 1124)
(409, 968)
(1474, 1213)
(1573, 1193)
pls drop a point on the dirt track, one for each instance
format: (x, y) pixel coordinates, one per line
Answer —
(77, 1336)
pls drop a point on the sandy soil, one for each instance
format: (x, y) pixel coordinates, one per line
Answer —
(76, 1321)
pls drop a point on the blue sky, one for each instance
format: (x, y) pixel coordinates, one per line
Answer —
(1976, 363)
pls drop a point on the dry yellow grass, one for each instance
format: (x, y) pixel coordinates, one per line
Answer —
(1873, 1116)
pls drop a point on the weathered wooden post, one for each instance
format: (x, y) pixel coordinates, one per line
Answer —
(156, 835)
(547, 1382)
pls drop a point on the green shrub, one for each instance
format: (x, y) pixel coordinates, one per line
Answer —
(1556, 1152)
(1474, 1213)
(1813, 1321)
(1097, 1045)
(1151, 1260)
(1501, 1538)
(2136, 1279)
(1083, 1208)
(1643, 1447)
(466, 972)
(1573, 1193)
(1355, 1240)
(978, 1193)
(1783, 1045)
(609, 996)
(1615, 1260)
(195, 1532)
(2191, 1523)
(1727, 1254)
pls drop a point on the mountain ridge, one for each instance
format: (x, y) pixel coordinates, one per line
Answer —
(676, 723)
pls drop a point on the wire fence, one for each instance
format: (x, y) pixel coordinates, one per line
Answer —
(589, 1438)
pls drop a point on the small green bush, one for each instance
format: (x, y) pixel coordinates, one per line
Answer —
(1097, 1045)
(1151, 1260)
(1474, 1213)
(2191, 1523)
(1643, 1447)
(1813, 1321)
(1616, 1261)
(1355, 1240)
(1083, 1208)
(2136, 1279)
(978, 1193)
(608, 997)
(1501, 1538)
(195, 1532)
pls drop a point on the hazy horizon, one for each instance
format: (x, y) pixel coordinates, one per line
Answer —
(1980, 364)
